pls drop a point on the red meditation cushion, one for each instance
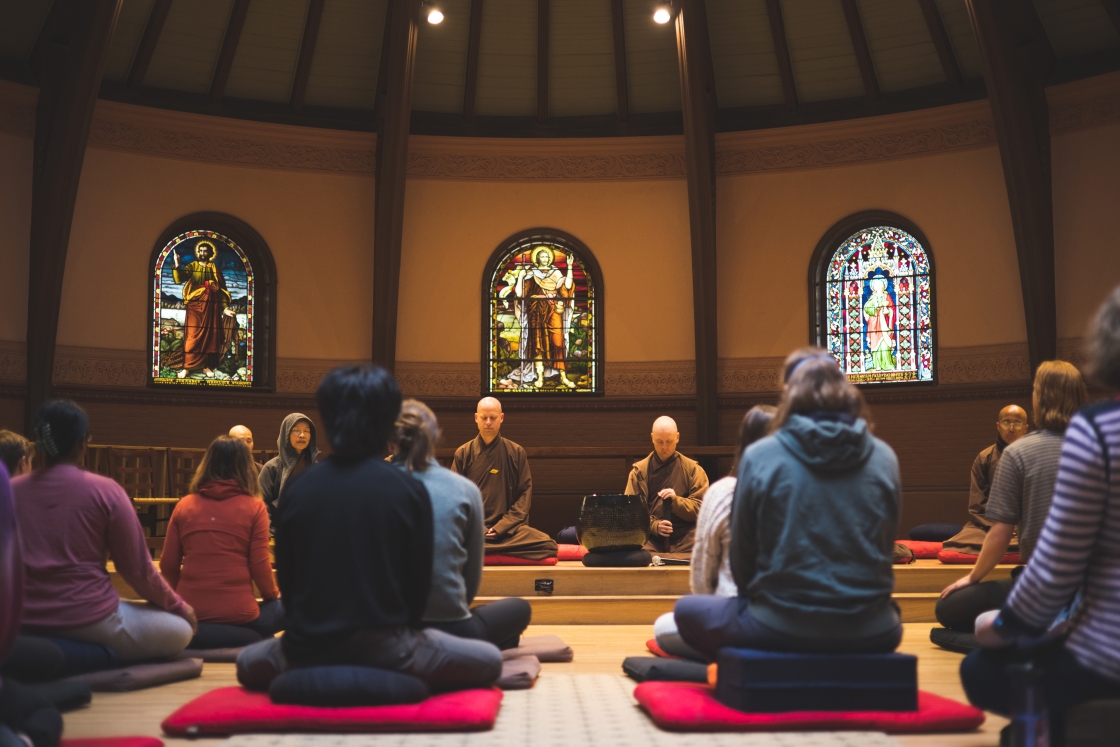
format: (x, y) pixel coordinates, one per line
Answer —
(570, 552)
(496, 559)
(234, 710)
(951, 557)
(656, 650)
(922, 550)
(112, 742)
(688, 706)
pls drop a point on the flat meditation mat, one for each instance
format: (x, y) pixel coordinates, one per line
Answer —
(922, 550)
(684, 706)
(497, 559)
(139, 676)
(234, 710)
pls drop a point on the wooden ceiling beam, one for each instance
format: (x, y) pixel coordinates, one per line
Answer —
(152, 30)
(229, 48)
(941, 42)
(306, 53)
(402, 28)
(621, 83)
(1015, 70)
(1112, 7)
(699, 109)
(71, 62)
(542, 61)
(381, 93)
(474, 38)
(863, 51)
(781, 51)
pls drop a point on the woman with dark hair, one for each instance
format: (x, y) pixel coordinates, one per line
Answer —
(354, 555)
(459, 539)
(812, 529)
(217, 543)
(298, 451)
(70, 521)
(1078, 550)
(710, 568)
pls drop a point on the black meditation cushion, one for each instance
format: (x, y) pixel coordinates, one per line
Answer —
(619, 559)
(343, 686)
(768, 682)
(656, 668)
(80, 657)
(953, 640)
(935, 532)
(218, 635)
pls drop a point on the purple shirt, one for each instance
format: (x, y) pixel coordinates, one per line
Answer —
(71, 521)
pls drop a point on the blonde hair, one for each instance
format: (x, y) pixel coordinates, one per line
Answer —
(415, 435)
(228, 458)
(1059, 391)
(815, 383)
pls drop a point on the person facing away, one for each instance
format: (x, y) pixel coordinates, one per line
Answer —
(671, 485)
(710, 569)
(1010, 427)
(354, 555)
(15, 453)
(813, 523)
(70, 521)
(459, 539)
(1077, 554)
(298, 451)
(217, 543)
(500, 469)
(1020, 497)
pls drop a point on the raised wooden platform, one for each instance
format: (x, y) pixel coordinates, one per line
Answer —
(637, 596)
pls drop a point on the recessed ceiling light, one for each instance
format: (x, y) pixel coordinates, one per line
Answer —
(662, 14)
(435, 16)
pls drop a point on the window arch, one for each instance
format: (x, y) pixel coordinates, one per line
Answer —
(213, 304)
(542, 334)
(871, 284)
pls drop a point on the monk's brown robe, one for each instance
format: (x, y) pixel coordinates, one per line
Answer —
(971, 539)
(500, 469)
(687, 479)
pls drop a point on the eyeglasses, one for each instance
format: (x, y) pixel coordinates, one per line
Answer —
(1013, 425)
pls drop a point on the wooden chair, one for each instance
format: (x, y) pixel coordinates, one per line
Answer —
(181, 466)
(139, 471)
(262, 456)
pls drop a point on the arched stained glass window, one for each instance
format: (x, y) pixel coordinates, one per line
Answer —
(211, 306)
(874, 292)
(542, 309)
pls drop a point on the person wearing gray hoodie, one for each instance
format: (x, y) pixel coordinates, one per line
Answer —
(298, 451)
(815, 514)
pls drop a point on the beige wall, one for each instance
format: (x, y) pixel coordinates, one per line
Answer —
(15, 227)
(318, 226)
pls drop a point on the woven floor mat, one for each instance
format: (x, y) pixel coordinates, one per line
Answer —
(589, 710)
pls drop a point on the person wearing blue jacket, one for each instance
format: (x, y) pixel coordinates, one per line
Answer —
(815, 514)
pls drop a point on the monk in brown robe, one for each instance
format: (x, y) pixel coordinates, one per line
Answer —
(500, 469)
(672, 487)
(1011, 426)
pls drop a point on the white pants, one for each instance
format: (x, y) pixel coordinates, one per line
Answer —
(136, 631)
(670, 641)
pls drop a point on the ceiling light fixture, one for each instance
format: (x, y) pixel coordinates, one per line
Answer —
(435, 15)
(663, 14)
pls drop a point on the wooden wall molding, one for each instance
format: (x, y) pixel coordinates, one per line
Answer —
(1094, 102)
(100, 366)
(13, 361)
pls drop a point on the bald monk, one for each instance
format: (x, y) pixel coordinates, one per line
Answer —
(500, 469)
(671, 485)
(1012, 425)
(246, 435)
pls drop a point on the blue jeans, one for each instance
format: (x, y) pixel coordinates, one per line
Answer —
(709, 623)
(270, 621)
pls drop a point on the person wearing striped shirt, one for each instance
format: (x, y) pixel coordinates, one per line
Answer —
(1078, 550)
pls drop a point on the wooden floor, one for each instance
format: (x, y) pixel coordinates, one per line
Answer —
(598, 649)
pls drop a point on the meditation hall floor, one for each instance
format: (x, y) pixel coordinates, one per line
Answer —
(586, 703)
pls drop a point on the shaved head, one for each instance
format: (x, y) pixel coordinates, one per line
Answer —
(488, 417)
(1012, 423)
(246, 435)
(665, 437)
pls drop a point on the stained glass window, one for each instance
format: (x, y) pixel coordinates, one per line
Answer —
(878, 300)
(542, 311)
(203, 320)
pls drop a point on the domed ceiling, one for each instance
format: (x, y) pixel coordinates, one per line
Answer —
(920, 53)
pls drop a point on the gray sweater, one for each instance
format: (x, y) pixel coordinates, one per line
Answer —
(458, 543)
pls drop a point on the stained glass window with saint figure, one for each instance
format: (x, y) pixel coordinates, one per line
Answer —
(202, 312)
(878, 318)
(542, 310)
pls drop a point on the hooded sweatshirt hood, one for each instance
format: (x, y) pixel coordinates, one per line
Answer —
(288, 455)
(826, 442)
(220, 490)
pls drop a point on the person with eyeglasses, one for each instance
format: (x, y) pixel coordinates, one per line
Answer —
(1010, 427)
(1020, 497)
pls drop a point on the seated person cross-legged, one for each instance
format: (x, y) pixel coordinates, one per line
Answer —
(500, 469)
(217, 547)
(710, 571)
(1020, 497)
(459, 539)
(812, 529)
(671, 485)
(70, 521)
(354, 555)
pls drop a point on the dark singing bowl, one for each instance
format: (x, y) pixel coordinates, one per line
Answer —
(609, 523)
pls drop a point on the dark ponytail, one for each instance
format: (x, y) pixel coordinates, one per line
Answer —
(60, 427)
(415, 435)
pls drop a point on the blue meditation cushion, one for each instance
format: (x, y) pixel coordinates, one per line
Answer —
(768, 682)
(618, 559)
(567, 536)
(935, 532)
(342, 686)
(80, 657)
